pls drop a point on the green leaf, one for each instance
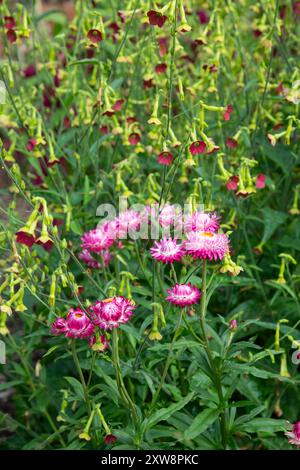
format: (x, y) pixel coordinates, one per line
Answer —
(263, 425)
(272, 220)
(165, 413)
(76, 385)
(202, 421)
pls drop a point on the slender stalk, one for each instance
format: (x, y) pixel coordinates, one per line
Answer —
(82, 379)
(215, 371)
(167, 365)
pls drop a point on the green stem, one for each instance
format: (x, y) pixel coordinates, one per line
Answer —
(215, 371)
(167, 365)
(82, 380)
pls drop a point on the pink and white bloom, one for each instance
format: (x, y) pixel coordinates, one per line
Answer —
(128, 221)
(207, 245)
(111, 313)
(88, 259)
(167, 250)
(183, 295)
(97, 240)
(59, 326)
(294, 434)
(199, 221)
(168, 216)
(78, 324)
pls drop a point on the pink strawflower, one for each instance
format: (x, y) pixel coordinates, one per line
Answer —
(294, 435)
(260, 181)
(207, 245)
(59, 326)
(167, 250)
(111, 313)
(78, 324)
(97, 240)
(197, 147)
(233, 325)
(167, 216)
(165, 158)
(88, 259)
(127, 221)
(183, 295)
(199, 221)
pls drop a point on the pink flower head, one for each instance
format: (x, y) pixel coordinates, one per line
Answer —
(59, 326)
(87, 258)
(167, 216)
(207, 245)
(134, 138)
(231, 143)
(167, 250)
(183, 295)
(78, 324)
(165, 158)
(111, 313)
(233, 325)
(197, 147)
(94, 36)
(156, 18)
(160, 68)
(127, 222)
(25, 238)
(96, 240)
(294, 435)
(260, 181)
(227, 112)
(200, 221)
(232, 183)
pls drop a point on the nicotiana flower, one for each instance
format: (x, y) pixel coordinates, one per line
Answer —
(76, 325)
(183, 295)
(167, 250)
(94, 36)
(232, 183)
(294, 434)
(111, 313)
(260, 181)
(97, 240)
(156, 18)
(197, 147)
(25, 238)
(207, 245)
(200, 221)
(165, 158)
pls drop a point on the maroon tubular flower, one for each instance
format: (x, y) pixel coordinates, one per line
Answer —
(9, 22)
(122, 16)
(232, 183)
(165, 158)
(257, 33)
(11, 36)
(156, 18)
(160, 68)
(227, 112)
(163, 46)
(134, 138)
(203, 17)
(118, 105)
(110, 439)
(95, 36)
(197, 147)
(115, 27)
(148, 83)
(31, 144)
(25, 238)
(30, 71)
(104, 130)
(231, 143)
(47, 246)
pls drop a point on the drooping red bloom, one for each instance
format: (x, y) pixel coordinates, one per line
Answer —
(48, 245)
(156, 18)
(165, 158)
(25, 238)
(257, 33)
(160, 68)
(9, 22)
(163, 46)
(110, 439)
(95, 36)
(115, 27)
(134, 138)
(148, 83)
(232, 183)
(117, 106)
(104, 130)
(11, 36)
(227, 112)
(296, 8)
(231, 143)
(260, 181)
(122, 16)
(197, 147)
(203, 17)
(213, 68)
(30, 71)
(31, 144)
(279, 89)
